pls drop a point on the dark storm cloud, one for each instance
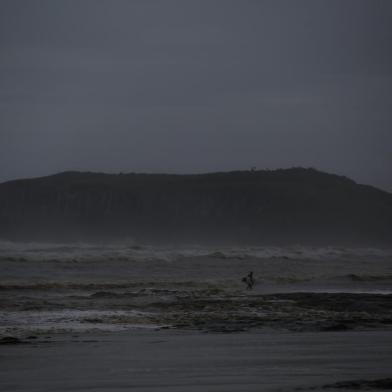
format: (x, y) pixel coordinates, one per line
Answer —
(188, 86)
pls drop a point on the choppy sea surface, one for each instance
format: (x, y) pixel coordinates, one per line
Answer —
(84, 287)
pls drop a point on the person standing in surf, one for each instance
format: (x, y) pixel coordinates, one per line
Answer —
(249, 280)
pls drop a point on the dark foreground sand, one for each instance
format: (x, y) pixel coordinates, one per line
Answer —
(173, 360)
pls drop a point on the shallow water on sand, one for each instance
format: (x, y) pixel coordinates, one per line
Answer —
(187, 361)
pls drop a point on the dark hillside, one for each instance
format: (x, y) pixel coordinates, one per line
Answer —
(264, 207)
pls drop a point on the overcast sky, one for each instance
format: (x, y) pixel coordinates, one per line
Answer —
(195, 86)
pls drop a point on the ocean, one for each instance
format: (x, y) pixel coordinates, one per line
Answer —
(57, 288)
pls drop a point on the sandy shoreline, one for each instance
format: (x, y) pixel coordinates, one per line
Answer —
(173, 360)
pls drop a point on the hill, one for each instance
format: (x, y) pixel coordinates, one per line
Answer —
(257, 207)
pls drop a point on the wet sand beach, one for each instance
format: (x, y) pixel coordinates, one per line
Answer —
(172, 360)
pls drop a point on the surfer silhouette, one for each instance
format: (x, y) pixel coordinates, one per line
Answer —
(249, 280)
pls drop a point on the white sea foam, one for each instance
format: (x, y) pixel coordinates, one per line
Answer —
(71, 320)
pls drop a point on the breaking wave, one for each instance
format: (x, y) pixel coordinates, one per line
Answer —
(84, 252)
